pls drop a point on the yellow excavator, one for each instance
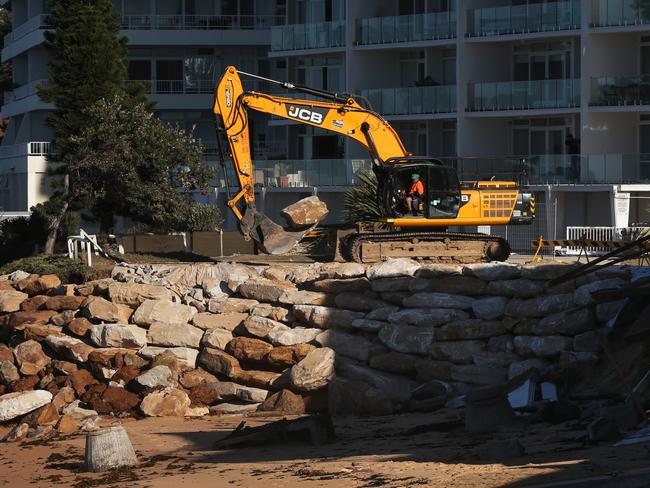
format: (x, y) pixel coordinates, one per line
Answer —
(445, 202)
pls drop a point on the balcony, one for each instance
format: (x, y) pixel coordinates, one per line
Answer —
(199, 22)
(412, 100)
(24, 91)
(619, 13)
(620, 91)
(26, 149)
(302, 173)
(524, 19)
(294, 37)
(406, 28)
(177, 87)
(33, 24)
(524, 95)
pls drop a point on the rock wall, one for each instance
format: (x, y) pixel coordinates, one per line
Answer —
(195, 339)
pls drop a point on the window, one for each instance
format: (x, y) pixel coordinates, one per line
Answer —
(139, 69)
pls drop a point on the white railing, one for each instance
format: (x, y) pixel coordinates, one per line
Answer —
(28, 27)
(26, 149)
(178, 87)
(13, 215)
(599, 233)
(199, 22)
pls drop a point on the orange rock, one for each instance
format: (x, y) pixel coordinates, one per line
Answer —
(46, 415)
(34, 303)
(67, 425)
(80, 326)
(63, 302)
(35, 285)
(31, 317)
(81, 380)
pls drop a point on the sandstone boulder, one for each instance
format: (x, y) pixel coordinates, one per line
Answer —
(589, 341)
(492, 271)
(398, 283)
(174, 335)
(264, 290)
(458, 352)
(325, 317)
(69, 347)
(38, 285)
(314, 372)
(156, 376)
(80, 326)
(284, 402)
(186, 356)
(305, 297)
(438, 300)
(63, 302)
(248, 350)
(397, 388)
(539, 306)
(427, 317)
(15, 404)
(134, 294)
(582, 295)
(518, 288)
(260, 326)
(567, 323)
(282, 335)
(10, 300)
(367, 325)
(216, 338)
(479, 375)
(545, 271)
(609, 310)
(265, 310)
(470, 329)
(306, 212)
(63, 318)
(438, 270)
(519, 367)
(407, 339)
(333, 285)
(169, 402)
(350, 397)
(227, 320)
(395, 362)
(541, 346)
(164, 311)
(118, 335)
(196, 377)
(354, 346)
(456, 285)
(34, 317)
(391, 268)
(282, 357)
(8, 372)
(238, 305)
(489, 308)
(218, 362)
(98, 309)
(30, 357)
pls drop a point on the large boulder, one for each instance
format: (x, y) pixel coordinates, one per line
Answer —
(545, 271)
(587, 341)
(479, 375)
(427, 317)
(38, 285)
(248, 350)
(118, 335)
(582, 295)
(397, 388)
(63, 302)
(368, 325)
(607, 311)
(470, 329)
(358, 301)
(164, 311)
(156, 376)
(349, 397)
(354, 346)
(395, 362)
(239, 305)
(305, 297)
(314, 372)
(226, 320)
(541, 346)
(517, 288)
(282, 357)
(391, 268)
(69, 347)
(98, 309)
(306, 212)
(281, 335)
(134, 294)
(492, 271)
(333, 285)
(216, 338)
(268, 311)
(186, 356)
(8, 372)
(539, 306)
(10, 300)
(325, 317)
(489, 308)
(170, 402)
(456, 285)
(284, 402)
(407, 339)
(174, 335)
(438, 300)
(567, 323)
(15, 404)
(458, 352)
(218, 362)
(32, 317)
(30, 357)
(264, 290)
(398, 283)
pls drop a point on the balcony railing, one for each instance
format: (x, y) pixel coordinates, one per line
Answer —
(524, 95)
(199, 22)
(412, 100)
(33, 24)
(522, 19)
(406, 28)
(614, 13)
(308, 36)
(177, 87)
(302, 173)
(24, 91)
(26, 149)
(615, 168)
(616, 91)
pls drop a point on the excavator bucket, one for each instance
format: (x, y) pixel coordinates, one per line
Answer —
(272, 238)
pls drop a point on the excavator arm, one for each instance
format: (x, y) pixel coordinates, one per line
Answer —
(342, 115)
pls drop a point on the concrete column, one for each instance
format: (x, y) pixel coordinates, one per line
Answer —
(585, 78)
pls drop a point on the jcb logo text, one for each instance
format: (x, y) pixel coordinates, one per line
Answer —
(305, 114)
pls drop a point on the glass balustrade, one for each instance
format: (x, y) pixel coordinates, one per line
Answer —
(412, 100)
(612, 13)
(308, 36)
(406, 28)
(614, 91)
(524, 95)
(199, 22)
(521, 19)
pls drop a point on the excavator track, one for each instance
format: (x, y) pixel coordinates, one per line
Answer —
(441, 247)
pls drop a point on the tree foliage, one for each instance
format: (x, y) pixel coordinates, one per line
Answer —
(360, 201)
(132, 164)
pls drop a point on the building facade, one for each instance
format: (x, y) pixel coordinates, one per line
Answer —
(556, 93)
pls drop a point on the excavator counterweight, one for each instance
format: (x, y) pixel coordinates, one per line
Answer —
(418, 221)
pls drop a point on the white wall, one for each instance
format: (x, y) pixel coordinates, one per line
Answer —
(610, 133)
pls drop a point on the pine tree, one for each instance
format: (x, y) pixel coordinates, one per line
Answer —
(89, 62)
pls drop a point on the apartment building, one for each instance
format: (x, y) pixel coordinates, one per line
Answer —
(556, 93)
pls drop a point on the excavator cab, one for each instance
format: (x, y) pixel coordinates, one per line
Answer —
(442, 196)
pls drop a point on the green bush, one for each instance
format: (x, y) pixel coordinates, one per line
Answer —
(68, 270)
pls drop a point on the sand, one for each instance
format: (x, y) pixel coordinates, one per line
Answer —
(410, 450)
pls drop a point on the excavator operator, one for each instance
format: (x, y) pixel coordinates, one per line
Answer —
(415, 194)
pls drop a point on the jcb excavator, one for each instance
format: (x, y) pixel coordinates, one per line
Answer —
(445, 202)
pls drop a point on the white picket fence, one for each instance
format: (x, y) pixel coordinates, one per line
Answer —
(597, 234)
